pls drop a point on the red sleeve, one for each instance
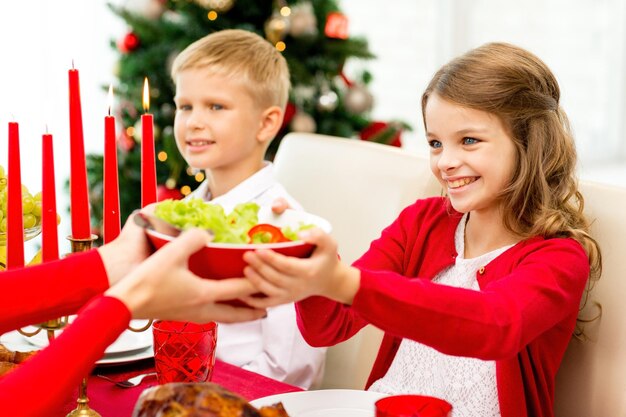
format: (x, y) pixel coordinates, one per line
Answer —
(541, 289)
(54, 289)
(324, 322)
(41, 385)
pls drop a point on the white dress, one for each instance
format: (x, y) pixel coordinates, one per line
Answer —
(469, 384)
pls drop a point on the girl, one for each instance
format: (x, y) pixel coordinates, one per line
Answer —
(478, 292)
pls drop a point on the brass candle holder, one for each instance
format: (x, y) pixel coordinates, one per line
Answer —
(82, 403)
(52, 326)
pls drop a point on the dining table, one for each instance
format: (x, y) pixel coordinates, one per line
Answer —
(110, 400)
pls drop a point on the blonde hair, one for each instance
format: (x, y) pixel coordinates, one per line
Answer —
(243, 56)
(542, 198)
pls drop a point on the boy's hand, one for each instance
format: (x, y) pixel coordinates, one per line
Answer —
(280, 205)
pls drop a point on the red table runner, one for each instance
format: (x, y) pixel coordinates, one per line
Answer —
(112, 401)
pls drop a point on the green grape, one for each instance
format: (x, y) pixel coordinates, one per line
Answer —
(29, 221)
(31, 206)
(37, 209)
(27, 204)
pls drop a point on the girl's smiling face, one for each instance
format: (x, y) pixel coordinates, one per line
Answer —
(471, 154)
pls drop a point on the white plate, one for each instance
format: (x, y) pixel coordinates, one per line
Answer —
(127, 343)
(325, 403)
(16, 341)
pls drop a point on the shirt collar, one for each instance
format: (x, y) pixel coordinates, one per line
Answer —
(249, 189)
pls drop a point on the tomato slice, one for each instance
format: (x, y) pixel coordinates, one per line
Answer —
(266, 233)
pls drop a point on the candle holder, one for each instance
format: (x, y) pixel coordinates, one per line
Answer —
(82, 408)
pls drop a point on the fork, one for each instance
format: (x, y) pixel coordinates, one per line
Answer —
(128, 383)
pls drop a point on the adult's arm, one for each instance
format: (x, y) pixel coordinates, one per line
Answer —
(54, 289)
(40, 386)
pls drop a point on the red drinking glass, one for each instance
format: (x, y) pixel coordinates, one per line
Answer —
(412, 406)
(184, 352)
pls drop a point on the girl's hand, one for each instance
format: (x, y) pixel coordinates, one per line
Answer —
(162, 287)
(285, 279)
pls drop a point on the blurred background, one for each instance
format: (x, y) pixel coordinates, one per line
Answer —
(583, 42)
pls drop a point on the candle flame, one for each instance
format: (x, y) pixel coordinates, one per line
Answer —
(146, 94)
(110, 99)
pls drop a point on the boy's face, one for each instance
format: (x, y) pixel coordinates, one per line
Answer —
(217, 122)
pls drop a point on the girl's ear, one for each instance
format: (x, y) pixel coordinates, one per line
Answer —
(270, 124)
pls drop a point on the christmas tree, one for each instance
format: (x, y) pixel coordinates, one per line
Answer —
(314, 39)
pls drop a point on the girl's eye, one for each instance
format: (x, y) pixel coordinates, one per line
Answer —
(470, 141)
(435, 144)
(183, 107)
(216, 107)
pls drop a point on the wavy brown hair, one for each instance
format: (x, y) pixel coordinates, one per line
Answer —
(542, 198)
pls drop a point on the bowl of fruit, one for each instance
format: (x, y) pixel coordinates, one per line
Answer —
(247, 227)
(31, 211)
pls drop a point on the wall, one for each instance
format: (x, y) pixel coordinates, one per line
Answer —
(583, 42)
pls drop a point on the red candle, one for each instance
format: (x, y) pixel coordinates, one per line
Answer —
(148, 162)
(15, 221)
(111, 211)
(79, 200)
(49, 232)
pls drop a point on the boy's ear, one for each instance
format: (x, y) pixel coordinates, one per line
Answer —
(271, 121)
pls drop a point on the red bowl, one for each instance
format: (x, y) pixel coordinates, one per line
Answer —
(409, 405)
(225, 260)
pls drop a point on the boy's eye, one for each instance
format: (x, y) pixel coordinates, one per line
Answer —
(183, 107)
(470, 141)
(435, 144)
(216, 106)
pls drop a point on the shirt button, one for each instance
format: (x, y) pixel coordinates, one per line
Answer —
(481, 270)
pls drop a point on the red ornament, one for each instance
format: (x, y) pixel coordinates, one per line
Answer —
(336, 26)
(381, 132)
(163, 193)
(129, 43)
(125, 142)
(290, 111)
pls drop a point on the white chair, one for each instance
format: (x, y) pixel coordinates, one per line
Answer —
(592, 379)
(360, 187)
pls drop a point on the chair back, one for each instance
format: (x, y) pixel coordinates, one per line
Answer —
(360, 188)
(592, 379)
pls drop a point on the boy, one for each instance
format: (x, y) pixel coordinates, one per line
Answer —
(231, 91)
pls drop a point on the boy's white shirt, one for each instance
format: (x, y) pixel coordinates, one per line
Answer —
(272, 346)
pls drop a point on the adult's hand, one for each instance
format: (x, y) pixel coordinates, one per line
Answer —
(126, 252)
(163, 287)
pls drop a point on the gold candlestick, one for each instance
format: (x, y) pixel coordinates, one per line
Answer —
(82, 408)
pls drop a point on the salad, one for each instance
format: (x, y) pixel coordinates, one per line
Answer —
(239, 226)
